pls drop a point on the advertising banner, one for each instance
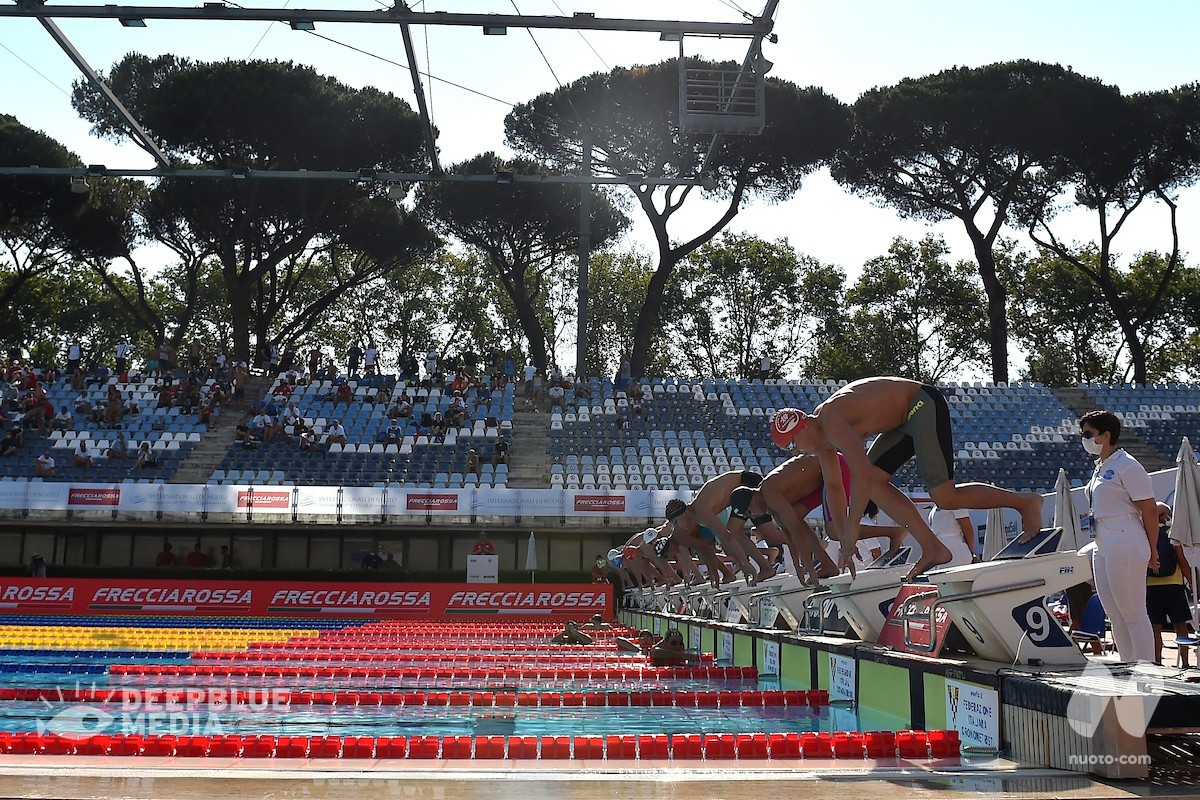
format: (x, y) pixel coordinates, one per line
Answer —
(302, 599)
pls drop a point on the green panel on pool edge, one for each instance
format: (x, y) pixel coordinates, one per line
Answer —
(795, 667)
(935, 702)
(743, 650)
(884, 688)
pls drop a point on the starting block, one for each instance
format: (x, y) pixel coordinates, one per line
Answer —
(866, 599)
(787, 594)
(1000, 605)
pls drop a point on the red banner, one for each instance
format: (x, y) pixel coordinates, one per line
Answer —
(917, 610)
(600, 502)
(296, 599)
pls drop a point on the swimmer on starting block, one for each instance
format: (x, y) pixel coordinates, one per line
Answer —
(702, 515)
(912, 420)
(778, 506)
(690, 534)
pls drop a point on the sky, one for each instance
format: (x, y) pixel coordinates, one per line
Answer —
(845, 47)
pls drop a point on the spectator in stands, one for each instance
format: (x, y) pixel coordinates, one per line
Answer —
(166, 558)
(308, 440)
(119, 448)
(37, 565)
(197, 559)
(122, 356)
(44, 466)
(14, 437)
(369, 357)
(145, 457)
(335, 434)
(207, 411)
(473, 466)
(243, 428)
(393, 433)
(500, 451)
(556, 396)
(389, 562)
(74, 355)
(431, 361)
(82, 457)
(282, 390)
(483, 546)
(82, 406)
(624, 374)
(314, 363)
(353, 359)
(457, 412)
(582, 391)
(1166, 588)
(240, 378)
(343, 394)
(383, 396)
(63, 420)
(438, 428)
(226, 557)
(261, 426)
(401, 409)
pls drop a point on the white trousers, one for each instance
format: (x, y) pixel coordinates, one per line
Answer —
(1119, 564)
(959, 552)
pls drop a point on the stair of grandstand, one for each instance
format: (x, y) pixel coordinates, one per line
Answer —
(1154, 418)
(207, 454)
(529, 466)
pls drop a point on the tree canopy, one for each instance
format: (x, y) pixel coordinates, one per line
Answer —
(631, 118)
(972, 144)
(267, 234)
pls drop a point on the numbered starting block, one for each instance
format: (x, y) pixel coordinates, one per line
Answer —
(1000, 605)
(785, 593)
(865, 599)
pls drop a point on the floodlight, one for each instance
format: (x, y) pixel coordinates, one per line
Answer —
(504, 178)
(79, 185)
(396, 191)
(96, 170)
(366, 176)
(708, 181)
(303, 25)
(132, 22)
(495, 30)
(239, 173)
(670, 36)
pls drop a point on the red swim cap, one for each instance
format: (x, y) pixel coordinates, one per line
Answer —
(786, 423)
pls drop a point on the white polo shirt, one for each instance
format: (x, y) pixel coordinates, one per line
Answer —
(944, 522)
(1117, 484)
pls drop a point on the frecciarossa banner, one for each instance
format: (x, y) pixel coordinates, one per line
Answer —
(286, 599)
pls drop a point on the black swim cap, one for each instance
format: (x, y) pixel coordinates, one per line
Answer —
(739, 502)
(751, 479)
(674, 509)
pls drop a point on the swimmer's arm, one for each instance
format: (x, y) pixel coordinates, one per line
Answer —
(835, 491)
(844, 438)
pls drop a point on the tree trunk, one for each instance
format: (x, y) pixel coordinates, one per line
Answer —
(648, 315)
(531, 326)
(997, 306)
(238, 290)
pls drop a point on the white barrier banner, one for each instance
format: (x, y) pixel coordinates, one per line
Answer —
(362, 501)
(220, 499)
(12, 494)
(317, 501)
(47, 496)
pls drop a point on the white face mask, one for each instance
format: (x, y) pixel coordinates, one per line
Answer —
(1092, 446)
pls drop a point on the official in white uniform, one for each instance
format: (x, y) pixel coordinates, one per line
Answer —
(1125, 519)
(954, 529)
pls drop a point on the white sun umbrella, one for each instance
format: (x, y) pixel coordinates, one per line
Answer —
(531, 556)
(993, 534)
(1185, 522)
(1065, 516)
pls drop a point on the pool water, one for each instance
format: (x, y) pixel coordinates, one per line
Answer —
(48, 683)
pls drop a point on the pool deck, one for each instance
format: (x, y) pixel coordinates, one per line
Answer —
(92, 778)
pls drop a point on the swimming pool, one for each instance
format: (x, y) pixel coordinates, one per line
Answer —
(348, 687)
